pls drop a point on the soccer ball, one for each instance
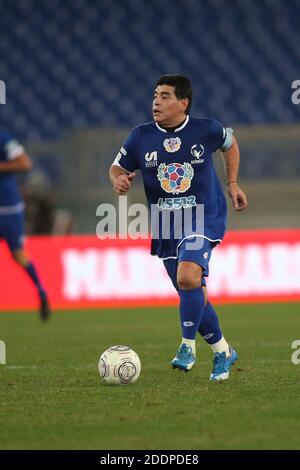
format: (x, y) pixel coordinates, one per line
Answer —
(119, 365)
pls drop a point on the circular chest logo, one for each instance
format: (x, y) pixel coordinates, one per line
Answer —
(197, 150)
(175, 178)
(173, 144)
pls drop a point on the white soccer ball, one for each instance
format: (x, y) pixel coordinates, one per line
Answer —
(119, 365)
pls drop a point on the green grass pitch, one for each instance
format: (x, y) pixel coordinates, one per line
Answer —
(51, 396)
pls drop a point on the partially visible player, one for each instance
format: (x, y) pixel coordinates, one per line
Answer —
(13, 159)
(175, 156)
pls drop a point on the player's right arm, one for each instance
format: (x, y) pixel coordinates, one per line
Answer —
(121, 179)
(122, 171)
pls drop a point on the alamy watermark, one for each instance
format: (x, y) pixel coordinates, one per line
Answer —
(170, 219)
(296, 94)
(2, 352)
(296, 354)
(2, 92)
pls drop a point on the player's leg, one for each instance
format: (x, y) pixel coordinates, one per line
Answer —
(186, 353)
(224, 355)
(14, 236)
(191, 308)
(21, 258)
(210, 329)
(193, 260)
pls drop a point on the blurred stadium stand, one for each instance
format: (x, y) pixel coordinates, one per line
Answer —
(75, 63)
(80, 73)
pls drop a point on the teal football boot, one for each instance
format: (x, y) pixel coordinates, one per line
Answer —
(222, 365)
(184, 359)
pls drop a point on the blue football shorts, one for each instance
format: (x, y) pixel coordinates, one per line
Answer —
(12, 230)
(199, 256)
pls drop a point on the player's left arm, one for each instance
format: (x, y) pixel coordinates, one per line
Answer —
(231, 158)
(16, 158)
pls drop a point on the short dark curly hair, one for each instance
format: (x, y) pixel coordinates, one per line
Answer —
(182, 87)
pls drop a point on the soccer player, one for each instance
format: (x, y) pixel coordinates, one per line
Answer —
(174, 154)
(13, 159)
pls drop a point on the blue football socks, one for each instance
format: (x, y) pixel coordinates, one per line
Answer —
(31, 271)
(191, 311)
(209, 328)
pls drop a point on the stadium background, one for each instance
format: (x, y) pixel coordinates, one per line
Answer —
(79, 74)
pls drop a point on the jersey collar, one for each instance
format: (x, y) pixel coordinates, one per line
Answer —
(176, 130)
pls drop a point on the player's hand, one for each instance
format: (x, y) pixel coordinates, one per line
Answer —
(123, 183)
(238, 197)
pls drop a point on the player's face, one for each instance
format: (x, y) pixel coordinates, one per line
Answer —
(167, 109)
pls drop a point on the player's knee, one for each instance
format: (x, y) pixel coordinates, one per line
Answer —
(188, 280)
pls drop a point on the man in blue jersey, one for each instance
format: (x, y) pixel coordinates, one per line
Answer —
(14, 159)
(175, 156)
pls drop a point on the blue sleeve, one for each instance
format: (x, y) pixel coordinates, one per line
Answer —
(127, 157)
(218, 134)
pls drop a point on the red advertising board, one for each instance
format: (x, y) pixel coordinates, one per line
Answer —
(83, 271)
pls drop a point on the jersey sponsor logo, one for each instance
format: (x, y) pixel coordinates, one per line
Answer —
(150, 159)
(175, 178)
(172, 145)
(197, 151)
